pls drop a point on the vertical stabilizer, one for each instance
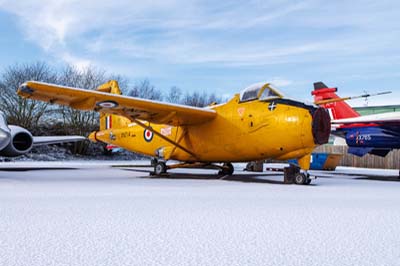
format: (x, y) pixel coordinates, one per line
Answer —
(337, 110)
(108, 121)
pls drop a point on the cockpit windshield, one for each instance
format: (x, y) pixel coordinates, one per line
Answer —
(261, 91)
(251, 93)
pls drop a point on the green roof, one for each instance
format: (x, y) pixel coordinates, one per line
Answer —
(370, 110)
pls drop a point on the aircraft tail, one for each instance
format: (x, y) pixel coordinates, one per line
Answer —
(337, 109)
(108, 121)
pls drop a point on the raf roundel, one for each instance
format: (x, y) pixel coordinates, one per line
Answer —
(107, 104)
(148, 135)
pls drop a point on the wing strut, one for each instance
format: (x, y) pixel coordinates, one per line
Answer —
(165, 138)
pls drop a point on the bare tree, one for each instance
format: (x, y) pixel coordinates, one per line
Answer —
(200, 100)
(76, 121)
(194, 99)
(212, 98)
(21, 111)
(174, 95)
(145, 90)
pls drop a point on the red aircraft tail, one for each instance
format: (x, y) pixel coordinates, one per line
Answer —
(337, 110)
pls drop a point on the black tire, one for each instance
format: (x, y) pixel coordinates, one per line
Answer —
(160, 168)
(227, 169)
(300, 179)
(308, 181)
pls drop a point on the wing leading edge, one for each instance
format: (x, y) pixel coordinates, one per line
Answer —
(130, 107)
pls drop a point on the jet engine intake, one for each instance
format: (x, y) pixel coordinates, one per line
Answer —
(21, 142)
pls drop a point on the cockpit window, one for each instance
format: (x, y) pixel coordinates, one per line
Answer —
(268, 93)
(261, 91)
(251, 92)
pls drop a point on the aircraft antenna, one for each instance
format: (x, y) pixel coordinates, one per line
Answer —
(366, 95)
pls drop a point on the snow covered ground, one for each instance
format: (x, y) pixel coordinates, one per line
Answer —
(92, 214)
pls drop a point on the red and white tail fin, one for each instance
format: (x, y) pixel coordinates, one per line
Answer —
(338, 109)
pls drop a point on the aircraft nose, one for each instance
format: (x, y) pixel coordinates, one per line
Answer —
(321, 126)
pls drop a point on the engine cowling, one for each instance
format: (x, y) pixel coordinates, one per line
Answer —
(21, 142)
(5, 135)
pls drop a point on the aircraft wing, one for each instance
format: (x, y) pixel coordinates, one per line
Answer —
(130, 107)
(45, 140)
(385, 118)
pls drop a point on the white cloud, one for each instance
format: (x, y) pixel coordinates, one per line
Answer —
(79, 63)
(148, 35)
(280, 82)
(167, 29)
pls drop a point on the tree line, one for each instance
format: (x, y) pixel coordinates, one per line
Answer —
(45, 119)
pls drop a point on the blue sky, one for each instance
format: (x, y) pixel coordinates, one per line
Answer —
(215, 47)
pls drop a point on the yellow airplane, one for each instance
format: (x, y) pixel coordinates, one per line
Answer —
(257, 124)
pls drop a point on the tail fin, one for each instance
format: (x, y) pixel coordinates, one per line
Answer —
(108, 121)
(337, 110)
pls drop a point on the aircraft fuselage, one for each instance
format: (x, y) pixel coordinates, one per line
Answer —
(241, 132)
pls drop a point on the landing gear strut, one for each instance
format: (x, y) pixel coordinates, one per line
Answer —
(153, 161)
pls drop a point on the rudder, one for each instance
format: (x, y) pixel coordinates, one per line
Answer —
(108, 121)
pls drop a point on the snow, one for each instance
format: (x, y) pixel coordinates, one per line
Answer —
(95, 214)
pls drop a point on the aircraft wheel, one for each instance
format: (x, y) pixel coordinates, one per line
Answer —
(308, 181)
(227, 169)
(160, 168)
(300, 179)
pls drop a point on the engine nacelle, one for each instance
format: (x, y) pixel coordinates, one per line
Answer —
(5, 135)
(21, 142)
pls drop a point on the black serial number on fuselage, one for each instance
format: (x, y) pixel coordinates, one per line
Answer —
(127, 134)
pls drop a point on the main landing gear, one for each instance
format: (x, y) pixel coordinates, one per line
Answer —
(161, 167)
(226, 169)
(293, 174)
(302, 179)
